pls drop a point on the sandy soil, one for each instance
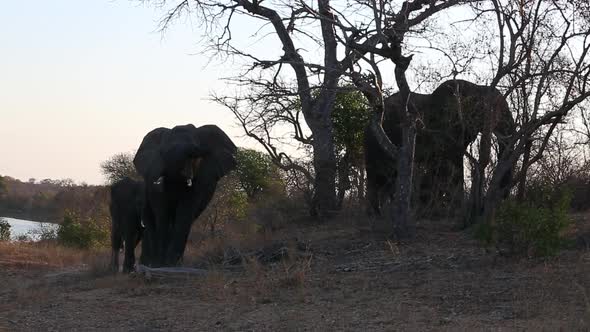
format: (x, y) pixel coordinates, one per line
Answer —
(348, 278)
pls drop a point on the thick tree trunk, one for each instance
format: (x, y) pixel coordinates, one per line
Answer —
(403, 226)
(495, 193)
(324, 162)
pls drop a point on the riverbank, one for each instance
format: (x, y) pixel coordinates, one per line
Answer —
(29, 228)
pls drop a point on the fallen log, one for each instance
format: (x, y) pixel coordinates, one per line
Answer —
(150, 272)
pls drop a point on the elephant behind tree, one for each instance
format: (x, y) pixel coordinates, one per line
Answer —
(181, 167)
(126, 230)
(450, 119)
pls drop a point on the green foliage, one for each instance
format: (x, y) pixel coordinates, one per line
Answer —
(43, 232)
(534, 227)
(119, 166)
(84, 234)
(349, 117)
(238, 203)
(255, 171)
(4, 230)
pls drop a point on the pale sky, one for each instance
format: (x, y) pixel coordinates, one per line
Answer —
(83, 80)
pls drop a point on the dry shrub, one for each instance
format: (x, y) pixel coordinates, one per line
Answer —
(294, 274)
(255, 281)
(229, 229)
(98, 262)
(215, 286)
(260, 283)
(563, 166)
(237, 238)
(580, 189)
(30, 255)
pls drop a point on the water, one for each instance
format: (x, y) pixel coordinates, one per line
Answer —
(32, 229)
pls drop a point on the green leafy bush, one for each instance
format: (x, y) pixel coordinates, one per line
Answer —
(84, 234)
(256, 174)
(534, 227)
(4, 230)
(43, 232)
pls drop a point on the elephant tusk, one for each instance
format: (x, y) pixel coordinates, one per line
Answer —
(159, 180)
(189, 182)
(142, 224)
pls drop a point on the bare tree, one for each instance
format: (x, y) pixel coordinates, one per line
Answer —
(542, 63)
(382, 38)
(118, 166)
(541, 56)
(315, 81)
(537, 58)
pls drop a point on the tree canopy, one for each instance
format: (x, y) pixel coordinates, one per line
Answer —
(119, 166)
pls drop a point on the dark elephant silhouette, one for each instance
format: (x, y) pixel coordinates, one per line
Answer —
(126, 229)
(450, 120)
(181, 167)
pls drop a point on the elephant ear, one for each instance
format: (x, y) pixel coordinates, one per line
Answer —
(218, 147)
(148, 160)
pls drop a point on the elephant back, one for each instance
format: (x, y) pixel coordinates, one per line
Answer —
(394, 112)
(465, 108)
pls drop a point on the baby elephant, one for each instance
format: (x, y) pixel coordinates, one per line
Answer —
(126, 229)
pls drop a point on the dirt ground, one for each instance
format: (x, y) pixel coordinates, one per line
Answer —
(347, 278)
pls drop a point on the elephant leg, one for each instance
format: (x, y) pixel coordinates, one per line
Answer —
(386, 194)
(179, 233)
(161, 238)
(177, 245)
(506, 179)
(163, 219)
(450, 180)
(130, 243)
(456, 182)
(188, 209)
(426, 191)
(148, 245)
(116, 244)
(374, 206)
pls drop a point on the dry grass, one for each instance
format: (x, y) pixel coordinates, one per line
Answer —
(348, 279)
(49, 256)
(237, 238)
(294, 274)
(45, 255)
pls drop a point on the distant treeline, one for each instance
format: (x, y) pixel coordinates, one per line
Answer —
(47, 200)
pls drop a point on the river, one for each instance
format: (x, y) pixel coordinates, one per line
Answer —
(32, 229)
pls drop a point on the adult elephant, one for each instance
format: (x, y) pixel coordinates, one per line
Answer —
(450, 120)
(181, 167)
(126, 230)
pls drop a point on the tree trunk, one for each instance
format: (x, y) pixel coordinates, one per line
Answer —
(361, 182)
(475, 196)
(324, 162)
(343, 178)
(521, 190)
(403, 226)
